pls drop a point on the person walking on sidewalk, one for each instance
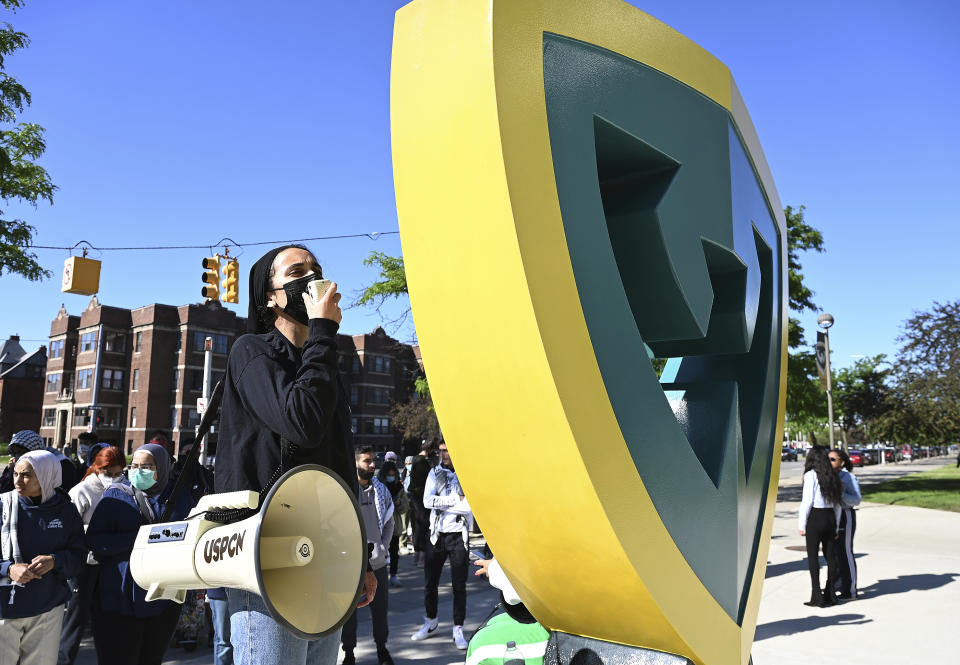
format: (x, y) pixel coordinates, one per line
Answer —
(450, 521)
(818, 520)
(849, 499)
(376, 506)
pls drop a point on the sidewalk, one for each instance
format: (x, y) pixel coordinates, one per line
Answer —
(908, 563)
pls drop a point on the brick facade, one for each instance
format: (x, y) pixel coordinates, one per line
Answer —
(140, 372)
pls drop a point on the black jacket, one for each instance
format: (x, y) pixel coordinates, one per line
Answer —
(271, 390)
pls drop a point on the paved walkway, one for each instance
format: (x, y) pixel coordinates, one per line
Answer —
(908, 562)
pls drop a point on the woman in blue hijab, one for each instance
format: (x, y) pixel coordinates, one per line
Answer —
(127, 630)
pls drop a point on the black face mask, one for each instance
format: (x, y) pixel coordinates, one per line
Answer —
(364, 475)
(295, 290)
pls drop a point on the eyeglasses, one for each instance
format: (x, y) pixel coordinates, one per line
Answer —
(834, 459)
(148, 467)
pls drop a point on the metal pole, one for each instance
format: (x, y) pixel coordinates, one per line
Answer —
(826, 341)
(207, 365)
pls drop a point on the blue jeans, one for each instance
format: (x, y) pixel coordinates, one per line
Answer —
(259, 640)
(222, 650)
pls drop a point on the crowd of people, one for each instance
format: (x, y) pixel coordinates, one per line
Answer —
(828, 521)
(69, 525)
(67, 529)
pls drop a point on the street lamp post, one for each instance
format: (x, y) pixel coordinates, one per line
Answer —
(825, 321)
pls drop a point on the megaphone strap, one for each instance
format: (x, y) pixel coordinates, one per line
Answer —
(236, 514)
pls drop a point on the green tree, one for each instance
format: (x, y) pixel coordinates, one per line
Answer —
(21, 178)
(391, 286)
(862, 396)
(806, 402)
(925, 399)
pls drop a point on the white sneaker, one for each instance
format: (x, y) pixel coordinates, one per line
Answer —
(428, 628)
(458, 637)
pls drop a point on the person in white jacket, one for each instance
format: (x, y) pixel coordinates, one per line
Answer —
(105, 469)
(450, 522)
(818, 520)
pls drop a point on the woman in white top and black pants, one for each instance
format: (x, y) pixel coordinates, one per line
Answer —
(819, 517)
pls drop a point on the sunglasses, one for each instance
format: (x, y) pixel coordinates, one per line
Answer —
(834, 459)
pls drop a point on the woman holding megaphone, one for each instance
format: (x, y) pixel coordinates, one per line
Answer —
(283, 406)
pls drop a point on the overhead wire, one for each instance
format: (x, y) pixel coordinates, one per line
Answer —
(372, 236)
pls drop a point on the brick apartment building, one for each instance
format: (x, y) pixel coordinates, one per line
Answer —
(21, 387)
(130, 374)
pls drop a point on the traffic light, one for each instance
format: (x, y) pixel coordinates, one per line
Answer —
(231, 281)
(211, 277)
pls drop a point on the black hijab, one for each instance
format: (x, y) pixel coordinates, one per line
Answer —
(259, 318)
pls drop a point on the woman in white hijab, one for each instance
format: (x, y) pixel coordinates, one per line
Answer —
(42, 543)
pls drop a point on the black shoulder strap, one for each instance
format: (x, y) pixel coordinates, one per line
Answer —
(193, 457)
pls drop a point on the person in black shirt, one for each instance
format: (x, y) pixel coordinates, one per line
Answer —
(282, 383)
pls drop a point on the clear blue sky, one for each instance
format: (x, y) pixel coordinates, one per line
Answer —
(183, 122)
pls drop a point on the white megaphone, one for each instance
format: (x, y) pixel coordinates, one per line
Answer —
(304, 552)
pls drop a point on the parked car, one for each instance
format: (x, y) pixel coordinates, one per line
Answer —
(856, 457)
(870, 456)
(788, 455)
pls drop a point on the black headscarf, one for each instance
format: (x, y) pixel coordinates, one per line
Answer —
(259, 283)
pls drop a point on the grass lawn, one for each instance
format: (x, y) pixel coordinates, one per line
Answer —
(938, 489)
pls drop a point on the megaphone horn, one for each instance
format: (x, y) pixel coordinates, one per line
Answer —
(304, 553)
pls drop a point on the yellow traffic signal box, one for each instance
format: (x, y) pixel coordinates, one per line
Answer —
(231, 281)
(81, 275)
(211, 278)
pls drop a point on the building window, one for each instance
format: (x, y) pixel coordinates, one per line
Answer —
(53, 382)
(378, 395)
(354, 395)
(193, 418)
(81, 416)
(133, 416)
(342, 362)
(179, 342)
(381, 425)
(196, 380)
(173, 418)
(353, 424)
(356, 364)
(219, 342)
(136, 379)
(84, 379)
(113, 379)
(176, 380)
(367, 425)
(381, 364)
(116, 342)
(110, 417)
(88, 341)
(56, 349)
(49, 417)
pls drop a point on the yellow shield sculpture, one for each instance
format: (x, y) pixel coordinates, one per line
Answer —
(578, 185)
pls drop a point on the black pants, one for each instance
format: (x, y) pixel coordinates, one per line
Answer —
(77, 613)
(421, 523)
(452, 545)
(378, 612)
(821, 529)
(846, 564)
(394, 552)
(126, 640)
